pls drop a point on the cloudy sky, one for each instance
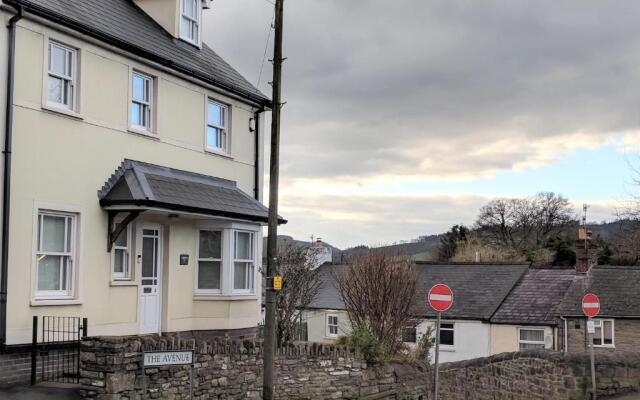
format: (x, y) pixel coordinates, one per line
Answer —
(404, 117)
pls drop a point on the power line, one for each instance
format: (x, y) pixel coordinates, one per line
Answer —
(266, 46)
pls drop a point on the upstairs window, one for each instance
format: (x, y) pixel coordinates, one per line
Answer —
(531, 339)
(61, 76)
(332, 325)
(141, 102)
(243, 262)
(603, 337)
(190, 21)
(55, 254)
(217, 139)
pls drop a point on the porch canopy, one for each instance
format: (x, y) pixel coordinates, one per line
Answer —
(137, 186)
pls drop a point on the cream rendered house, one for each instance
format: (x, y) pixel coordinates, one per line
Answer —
(134, 194)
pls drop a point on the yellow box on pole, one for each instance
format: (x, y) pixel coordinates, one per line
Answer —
(277, 282)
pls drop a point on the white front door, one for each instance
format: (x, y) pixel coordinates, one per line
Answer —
(150, 278)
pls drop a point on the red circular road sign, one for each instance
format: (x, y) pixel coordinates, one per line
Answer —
(590, 305)
(440, 297)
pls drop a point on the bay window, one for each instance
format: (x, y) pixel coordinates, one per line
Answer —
(55, 248)
(209, 276)
(61, 76)
(243, 261)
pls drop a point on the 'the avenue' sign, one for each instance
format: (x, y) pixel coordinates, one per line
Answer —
(161, 358)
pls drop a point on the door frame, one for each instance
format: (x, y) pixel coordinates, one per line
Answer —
(139, 240)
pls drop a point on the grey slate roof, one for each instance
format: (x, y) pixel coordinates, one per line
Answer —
(123, 24)
(329, 297)
(478, 289)
(617, 287)
(137, 183)
(535, 298)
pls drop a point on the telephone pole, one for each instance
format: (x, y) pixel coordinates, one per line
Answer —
(272, 239)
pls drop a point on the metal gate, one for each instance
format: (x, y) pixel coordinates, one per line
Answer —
(55, 349)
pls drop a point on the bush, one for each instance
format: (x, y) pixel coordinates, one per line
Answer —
(363, 339)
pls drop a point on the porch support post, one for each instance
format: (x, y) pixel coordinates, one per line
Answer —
(114, 232)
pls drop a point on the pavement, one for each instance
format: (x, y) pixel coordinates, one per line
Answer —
(39, 393)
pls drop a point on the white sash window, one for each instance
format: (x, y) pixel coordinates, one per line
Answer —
(55, 254)
(190, 21)
(61, 76)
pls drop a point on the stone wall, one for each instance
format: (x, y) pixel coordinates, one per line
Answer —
(626, 336)
(111, 369)
(539, 375)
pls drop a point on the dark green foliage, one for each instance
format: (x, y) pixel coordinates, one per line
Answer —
(450, 241)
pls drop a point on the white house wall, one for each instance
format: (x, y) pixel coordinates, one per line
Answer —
(61, 161)
(317, 325)
(471, 340)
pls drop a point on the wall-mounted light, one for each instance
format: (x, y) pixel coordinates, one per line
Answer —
(252, 124)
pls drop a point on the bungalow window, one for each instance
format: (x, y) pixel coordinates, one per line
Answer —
(531, 339)
(55, 254)
(332, 325)
(141, 102)
(190, 21)
(446, 334)
(120, 268)
(209, 261)
(409, 334)
(603, 337)
(217, 138)
(61, 76)
(243, 261)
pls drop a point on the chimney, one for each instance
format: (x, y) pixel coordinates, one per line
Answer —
(586, 251)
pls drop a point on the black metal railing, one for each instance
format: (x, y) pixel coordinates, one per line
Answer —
(57, 353)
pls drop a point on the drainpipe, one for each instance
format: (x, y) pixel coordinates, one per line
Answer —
(6, 181)
(566, 335)
(256, 168)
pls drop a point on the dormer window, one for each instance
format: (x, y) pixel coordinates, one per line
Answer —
(190, 21)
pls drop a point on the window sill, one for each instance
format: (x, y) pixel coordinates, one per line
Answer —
(62, 111)
(142, 132)
(218, 153)
(447, 349)
(222, 297)
(55, 302)
(122, 283)
(604, 346)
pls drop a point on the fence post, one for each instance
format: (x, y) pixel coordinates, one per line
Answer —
(34, 350)
(84, 327)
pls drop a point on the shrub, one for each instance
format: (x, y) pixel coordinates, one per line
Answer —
(365, 341)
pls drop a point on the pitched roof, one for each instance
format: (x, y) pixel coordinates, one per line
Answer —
(123, 24)
(478, 289)
(328, 296)
(534, 300)
(617, 287)
(136, 183)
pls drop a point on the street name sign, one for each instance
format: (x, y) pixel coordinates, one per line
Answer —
(163, 358)
(590, 305)
(440, 297)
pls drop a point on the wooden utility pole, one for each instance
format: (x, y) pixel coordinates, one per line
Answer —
(269, 347)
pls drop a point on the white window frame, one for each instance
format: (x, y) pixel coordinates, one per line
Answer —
(453, 330)
(330, 325)
(146, 104)
(521, 341)
(127, 274)
(250, 275)
(198, 259)
(69, 242)
(224, 128)
(191, 20)
(599, 323)
(71, 79)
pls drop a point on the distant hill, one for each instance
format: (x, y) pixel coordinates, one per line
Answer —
(421, 249)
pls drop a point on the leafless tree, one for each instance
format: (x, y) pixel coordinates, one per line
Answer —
(379, 291)
(300, 287)
(524, 224)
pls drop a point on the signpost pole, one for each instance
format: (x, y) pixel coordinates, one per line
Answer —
(593, 363)
(437, 357)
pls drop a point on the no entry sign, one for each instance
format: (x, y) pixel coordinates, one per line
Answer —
(590, 305)
(440, 297)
